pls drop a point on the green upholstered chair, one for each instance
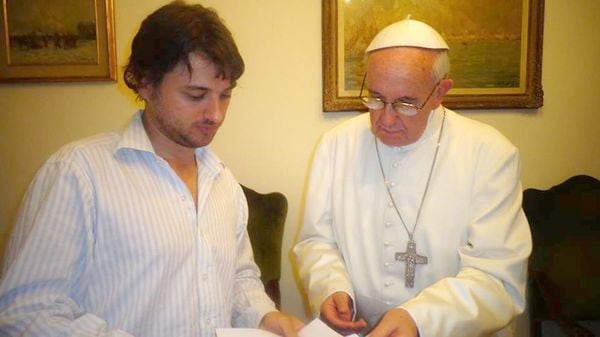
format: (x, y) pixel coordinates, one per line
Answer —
(564, 268)
(266, 219)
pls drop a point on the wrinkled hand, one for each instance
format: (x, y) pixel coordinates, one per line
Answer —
(281, 324)
(395, 323)
(336, 311)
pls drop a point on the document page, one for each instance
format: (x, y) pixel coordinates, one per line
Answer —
(316, 328)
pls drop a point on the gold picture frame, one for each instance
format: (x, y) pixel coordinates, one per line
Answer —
(527, 93)
(57, 41)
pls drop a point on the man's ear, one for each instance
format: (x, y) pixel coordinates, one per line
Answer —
(145, 90)
(445, 86)
(442, 89)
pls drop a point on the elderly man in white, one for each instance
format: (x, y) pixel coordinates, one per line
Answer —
(413, 222)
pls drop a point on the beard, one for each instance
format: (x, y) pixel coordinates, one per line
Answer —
(180, 133)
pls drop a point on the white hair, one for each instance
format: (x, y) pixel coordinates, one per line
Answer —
(441, 65)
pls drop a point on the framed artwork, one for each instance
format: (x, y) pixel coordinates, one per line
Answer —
(57, 40)
(495, 48)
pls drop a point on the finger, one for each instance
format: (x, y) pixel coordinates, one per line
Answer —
(395, 323)
(345, 327)
(330, 311)
(282, 324)
(343, 306)
(380, 331)
(354, 328)
(360, 324)
(336, 311)
(287, 328)
(297, 324)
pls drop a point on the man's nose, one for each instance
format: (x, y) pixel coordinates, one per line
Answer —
(388, 114)
(214, 110)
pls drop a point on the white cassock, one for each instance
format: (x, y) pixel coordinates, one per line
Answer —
(472, 228)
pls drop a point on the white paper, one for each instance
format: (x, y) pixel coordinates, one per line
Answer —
(235, 332)
(316, 328)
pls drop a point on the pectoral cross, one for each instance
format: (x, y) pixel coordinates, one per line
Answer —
(410, 258)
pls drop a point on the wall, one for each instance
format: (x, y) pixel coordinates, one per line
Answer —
(276, 117)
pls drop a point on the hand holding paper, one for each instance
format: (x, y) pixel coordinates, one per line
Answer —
(338, 311)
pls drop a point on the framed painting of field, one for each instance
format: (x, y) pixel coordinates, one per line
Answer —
(495, 48)
(57, 40)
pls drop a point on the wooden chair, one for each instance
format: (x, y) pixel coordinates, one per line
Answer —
(266, 220)
(564, 268)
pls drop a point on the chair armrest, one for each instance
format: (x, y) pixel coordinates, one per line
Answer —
(550, 295)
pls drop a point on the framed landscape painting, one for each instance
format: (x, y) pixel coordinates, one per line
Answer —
(57, 40)
(495, 48)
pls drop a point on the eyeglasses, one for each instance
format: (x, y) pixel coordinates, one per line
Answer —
(403, 108)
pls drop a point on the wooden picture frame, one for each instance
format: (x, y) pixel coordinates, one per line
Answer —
(55, 41)
(527, 93)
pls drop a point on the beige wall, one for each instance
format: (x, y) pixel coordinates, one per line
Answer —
(276, 116)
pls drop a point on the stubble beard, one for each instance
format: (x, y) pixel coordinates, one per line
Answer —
(174, 131)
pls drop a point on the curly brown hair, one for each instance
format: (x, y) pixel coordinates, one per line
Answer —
(168, 36)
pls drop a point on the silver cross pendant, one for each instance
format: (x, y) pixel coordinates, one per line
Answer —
(411, 259)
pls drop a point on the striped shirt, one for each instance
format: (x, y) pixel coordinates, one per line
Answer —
(108, 242)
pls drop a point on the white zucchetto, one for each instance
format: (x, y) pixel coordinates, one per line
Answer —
(408, 33)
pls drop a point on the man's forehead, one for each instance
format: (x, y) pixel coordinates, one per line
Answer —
(402, 57)
(199, 66)
(406, 66)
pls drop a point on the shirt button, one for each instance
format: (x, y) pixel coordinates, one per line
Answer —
(387, 264)
(388, 224)
(390, 204)
(386, 243)
(396, 164)
(387, 283)
(392, 184)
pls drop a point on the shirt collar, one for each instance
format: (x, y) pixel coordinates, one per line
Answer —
(135, 136)
(209, 160)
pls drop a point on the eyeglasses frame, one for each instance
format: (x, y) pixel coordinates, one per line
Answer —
(396, 103)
